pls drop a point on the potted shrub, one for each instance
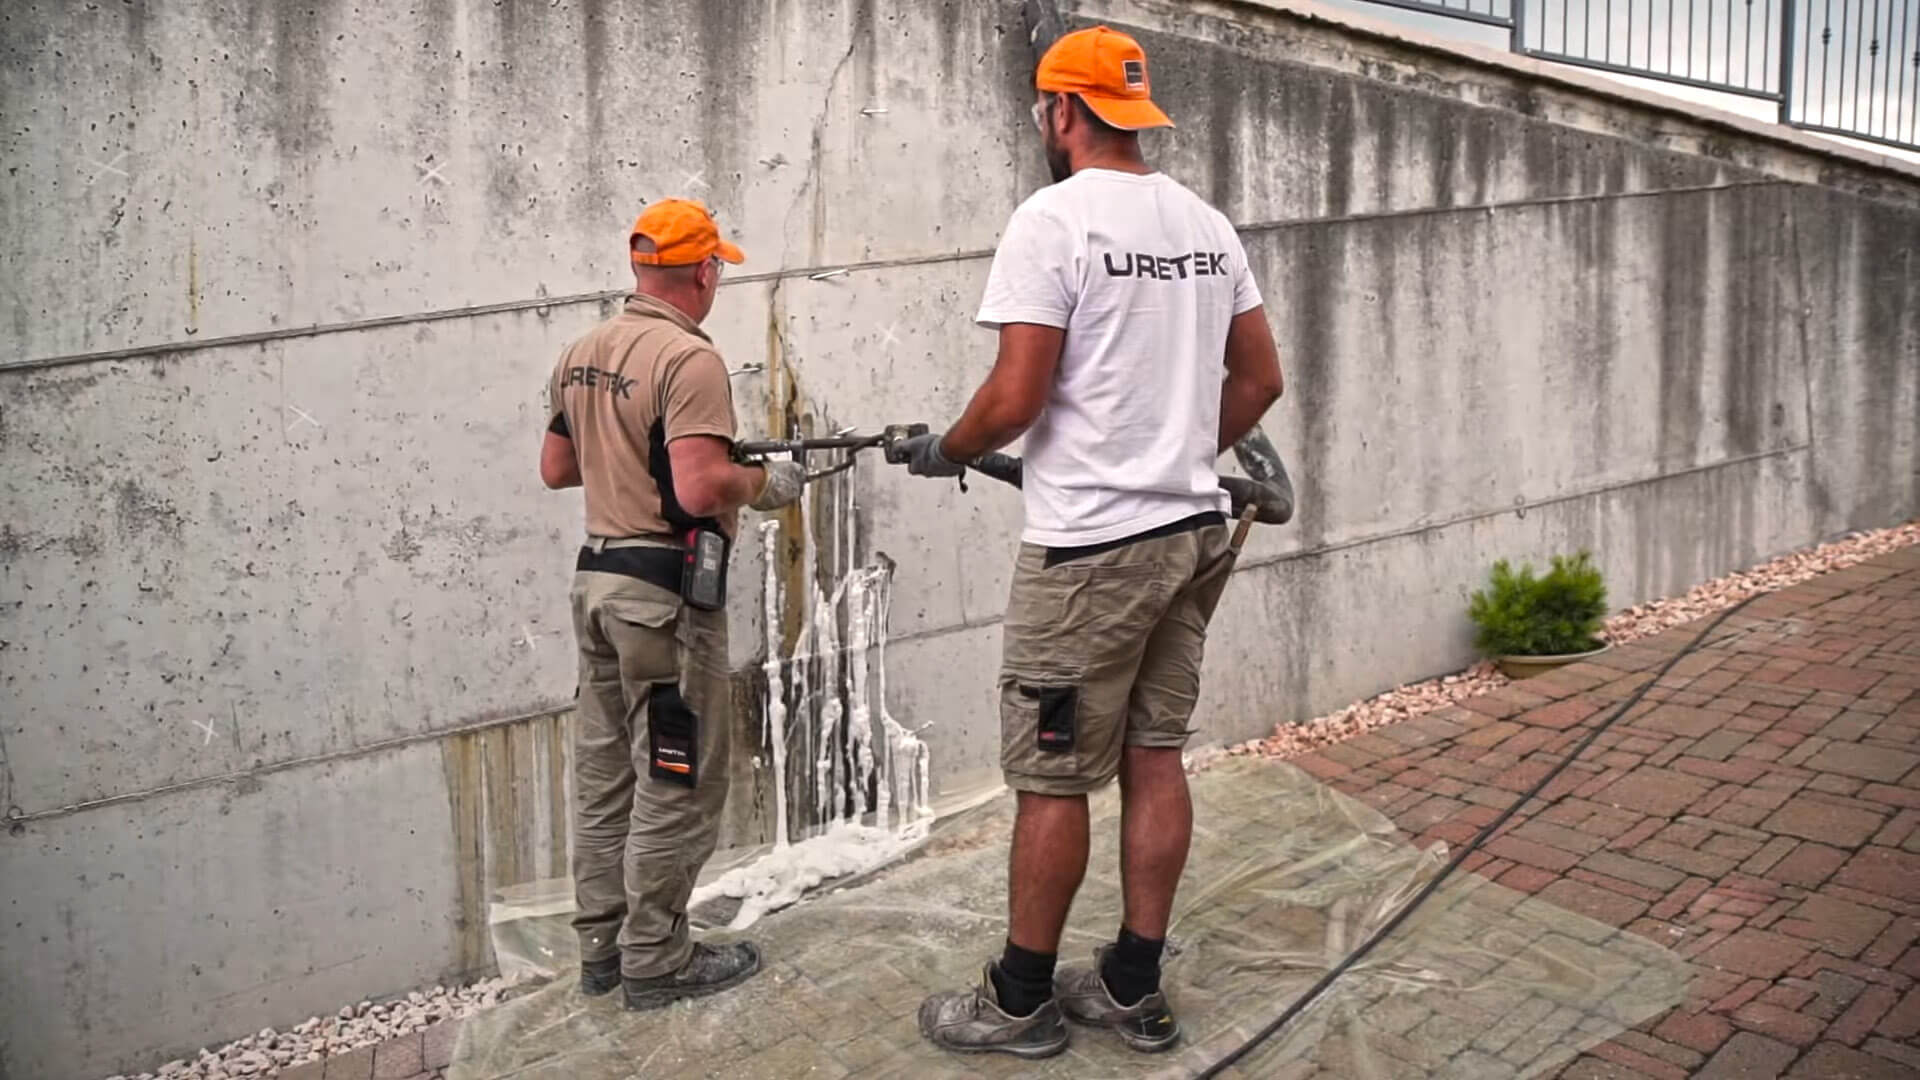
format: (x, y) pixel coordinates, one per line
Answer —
(1530, 624)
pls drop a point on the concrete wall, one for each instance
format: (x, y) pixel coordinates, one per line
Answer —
(284, 653)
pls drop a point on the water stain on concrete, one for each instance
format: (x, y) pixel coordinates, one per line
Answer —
(402, 546)
(507, 799)
(137, 511)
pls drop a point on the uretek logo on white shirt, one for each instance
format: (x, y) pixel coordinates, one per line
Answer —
(1144, 277)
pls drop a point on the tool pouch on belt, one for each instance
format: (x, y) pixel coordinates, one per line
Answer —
(673, 737)
(703, 581)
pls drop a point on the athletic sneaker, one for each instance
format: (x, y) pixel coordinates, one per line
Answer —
(1147, 1025)
(972, 1022)
(599, 976)
(711, 969)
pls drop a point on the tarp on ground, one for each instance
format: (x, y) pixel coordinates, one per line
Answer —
(1286, 877)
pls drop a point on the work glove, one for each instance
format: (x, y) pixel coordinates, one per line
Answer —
(782, 487)
(925, 459)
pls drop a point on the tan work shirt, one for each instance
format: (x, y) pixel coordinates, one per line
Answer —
(648, 365)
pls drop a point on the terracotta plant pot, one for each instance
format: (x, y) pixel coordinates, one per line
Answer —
(1526, 667)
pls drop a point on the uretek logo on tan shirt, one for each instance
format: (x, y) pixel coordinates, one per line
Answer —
(648, 365)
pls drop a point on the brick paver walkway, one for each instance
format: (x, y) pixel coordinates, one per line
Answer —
(1758, 811)
(423, 1055)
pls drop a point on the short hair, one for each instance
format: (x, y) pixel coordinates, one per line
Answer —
(640, 244)
(1086, 113)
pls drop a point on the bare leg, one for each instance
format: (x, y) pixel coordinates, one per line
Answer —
(1156, 827)
(1049, 859)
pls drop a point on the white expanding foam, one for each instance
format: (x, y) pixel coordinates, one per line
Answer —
(866, 773)
(776, 684)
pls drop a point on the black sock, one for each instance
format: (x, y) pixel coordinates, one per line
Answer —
(1023, 979)
(1132, 967)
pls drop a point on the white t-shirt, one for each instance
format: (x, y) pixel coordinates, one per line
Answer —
(1144, 277)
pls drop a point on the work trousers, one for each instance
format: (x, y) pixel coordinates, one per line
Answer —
(650, 750)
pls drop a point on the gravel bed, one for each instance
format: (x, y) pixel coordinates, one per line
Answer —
(1405, 702)
(365, 1024)
(369, 1023)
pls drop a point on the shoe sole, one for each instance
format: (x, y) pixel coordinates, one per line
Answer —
(649, 1000)
(1030, 1053)
(1139, 1043)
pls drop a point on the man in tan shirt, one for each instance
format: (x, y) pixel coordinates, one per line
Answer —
(641, 416)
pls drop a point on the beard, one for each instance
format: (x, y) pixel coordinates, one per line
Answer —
(1057, 161)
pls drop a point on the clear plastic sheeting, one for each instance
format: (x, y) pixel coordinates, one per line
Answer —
(1286, 878)
(531, 930)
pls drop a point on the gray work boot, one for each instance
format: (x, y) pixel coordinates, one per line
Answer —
(711, 969)
(599, 976)
(1147, 1025)
(972, 1022)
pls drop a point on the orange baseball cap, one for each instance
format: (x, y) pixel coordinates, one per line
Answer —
(683, 232)
(1108, 70)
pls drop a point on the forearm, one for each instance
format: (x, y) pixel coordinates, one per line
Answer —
(720, 487)
(1242, 404)
(739, 485)
(1253, 381)
(987, 424)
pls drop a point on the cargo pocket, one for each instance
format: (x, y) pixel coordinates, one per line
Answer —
(653, 657)
(673, 737)
(655, 609)
(1040, 725)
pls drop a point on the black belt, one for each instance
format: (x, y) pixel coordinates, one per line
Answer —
(1058, 555)
(662, 566)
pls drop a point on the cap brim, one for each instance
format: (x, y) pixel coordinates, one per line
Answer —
(1127, 114)
(730, 253)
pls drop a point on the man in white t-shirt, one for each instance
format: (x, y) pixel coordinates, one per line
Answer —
(1133, 350)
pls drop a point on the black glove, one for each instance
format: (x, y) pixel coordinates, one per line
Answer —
(924, 458)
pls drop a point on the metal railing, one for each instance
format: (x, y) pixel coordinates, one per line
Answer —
(1857, 70)
(1727, 45)
(1489, 12)
(1843, 67)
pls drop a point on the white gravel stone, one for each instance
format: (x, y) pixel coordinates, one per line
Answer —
(364, 1023)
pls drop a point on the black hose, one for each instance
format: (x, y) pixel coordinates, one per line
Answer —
(1367, 946)
(816, 477)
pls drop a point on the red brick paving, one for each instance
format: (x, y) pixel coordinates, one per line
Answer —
(1763, 800)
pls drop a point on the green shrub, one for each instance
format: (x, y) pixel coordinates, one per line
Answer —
(1522, 615)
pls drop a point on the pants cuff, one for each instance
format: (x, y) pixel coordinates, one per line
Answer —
(654, 962)
(1056, 785)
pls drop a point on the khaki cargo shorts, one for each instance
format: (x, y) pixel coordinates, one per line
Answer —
(1102, 648)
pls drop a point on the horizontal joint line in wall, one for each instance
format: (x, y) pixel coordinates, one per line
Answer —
(1513, 204)
(1415, 530)
(382, 322)
(1551, 500)
(261, 337)
(327, 758)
